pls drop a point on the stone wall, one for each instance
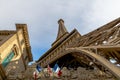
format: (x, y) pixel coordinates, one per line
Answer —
(19, 61)
(71, 74)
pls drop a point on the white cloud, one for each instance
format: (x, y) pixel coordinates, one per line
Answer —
(102, 12)
(42, 16)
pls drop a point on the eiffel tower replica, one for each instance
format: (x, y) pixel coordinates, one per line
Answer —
(93, 56)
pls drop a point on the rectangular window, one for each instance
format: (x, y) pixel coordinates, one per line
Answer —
(22, 41)
(26, 57)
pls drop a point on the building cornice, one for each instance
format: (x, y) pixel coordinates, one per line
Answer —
(26, 37)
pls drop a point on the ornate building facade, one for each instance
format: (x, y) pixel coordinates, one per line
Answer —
(92, 56)
(15, 52)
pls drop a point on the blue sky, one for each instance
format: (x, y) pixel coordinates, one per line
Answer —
(41, 16)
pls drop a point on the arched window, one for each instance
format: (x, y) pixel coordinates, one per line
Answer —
(15, 50)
